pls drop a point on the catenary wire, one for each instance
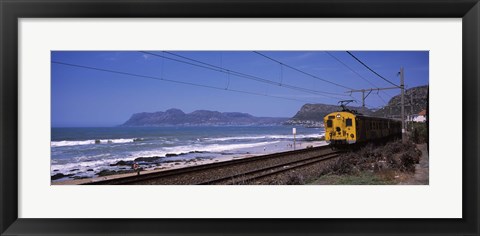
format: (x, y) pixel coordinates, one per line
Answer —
(174, 81)
(242, 75)
(303, 72)
(358, 74)
(371, 69)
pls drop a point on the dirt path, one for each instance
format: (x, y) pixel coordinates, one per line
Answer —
(421, 175)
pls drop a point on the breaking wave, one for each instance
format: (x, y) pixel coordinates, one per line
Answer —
(90, 142)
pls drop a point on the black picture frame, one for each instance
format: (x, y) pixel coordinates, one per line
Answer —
(11, 11)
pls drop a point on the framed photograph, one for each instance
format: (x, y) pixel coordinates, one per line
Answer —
(244, 127)
(251, 118)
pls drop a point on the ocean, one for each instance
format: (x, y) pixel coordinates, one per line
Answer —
(85, 152)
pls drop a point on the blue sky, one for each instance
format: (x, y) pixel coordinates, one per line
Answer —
(91, 96)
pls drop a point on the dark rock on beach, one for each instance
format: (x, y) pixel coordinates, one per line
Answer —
(123, 163)
(112, 172)
(183, 153)
(154, 159)
(169, 161)
(313, 139)
(148, 159)
(80, 177)
(226, 153)
(59, 176)
(106, 172)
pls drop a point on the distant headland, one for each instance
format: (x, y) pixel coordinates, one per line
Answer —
(175, 116)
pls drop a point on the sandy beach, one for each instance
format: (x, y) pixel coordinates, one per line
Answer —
(280, 146)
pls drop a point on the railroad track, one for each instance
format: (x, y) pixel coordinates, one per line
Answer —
(212, 173)
(251, 176)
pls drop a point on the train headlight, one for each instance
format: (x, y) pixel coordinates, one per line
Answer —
(338, 115)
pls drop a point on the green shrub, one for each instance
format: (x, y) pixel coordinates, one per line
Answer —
(419, 132)
(394, 155)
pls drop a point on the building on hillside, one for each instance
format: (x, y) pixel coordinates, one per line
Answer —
(420, 117)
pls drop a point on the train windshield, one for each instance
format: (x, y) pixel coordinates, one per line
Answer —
(348, 122)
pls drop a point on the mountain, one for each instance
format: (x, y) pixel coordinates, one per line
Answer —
(198, 118)
(417, 96)
(312, 114)
(308, 115)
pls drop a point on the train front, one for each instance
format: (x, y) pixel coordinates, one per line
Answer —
(340, 128)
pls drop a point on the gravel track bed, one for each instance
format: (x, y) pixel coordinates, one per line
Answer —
(266, 172)
(297, 176)
(235, 169)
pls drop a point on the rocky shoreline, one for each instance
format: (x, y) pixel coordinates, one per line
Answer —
(126, 166)
(161, 163)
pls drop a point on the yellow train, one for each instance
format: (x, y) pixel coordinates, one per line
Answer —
(348, 127)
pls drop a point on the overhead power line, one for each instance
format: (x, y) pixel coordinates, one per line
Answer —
(303, 72)
(369, 90)
(386, 103)
(341, 62)
(371, 69)
(358, 74)
(240, 74)
(173, 81)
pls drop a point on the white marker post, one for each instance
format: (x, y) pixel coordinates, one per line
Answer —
(294, 131)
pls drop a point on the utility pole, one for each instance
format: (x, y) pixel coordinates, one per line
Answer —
(411, 112)
(402, 87)
(411, 102)
(363, 97)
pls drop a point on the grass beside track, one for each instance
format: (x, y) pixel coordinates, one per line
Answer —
(364, 178)
(389, 164)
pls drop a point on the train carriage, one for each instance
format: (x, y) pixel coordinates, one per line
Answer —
(348, 127)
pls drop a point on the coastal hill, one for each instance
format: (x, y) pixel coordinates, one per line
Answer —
(312, 114)
(198, 118)
(419, 99)
(308, 115)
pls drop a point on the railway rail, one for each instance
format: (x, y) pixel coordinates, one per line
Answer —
(246, 169)
(251, 176)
